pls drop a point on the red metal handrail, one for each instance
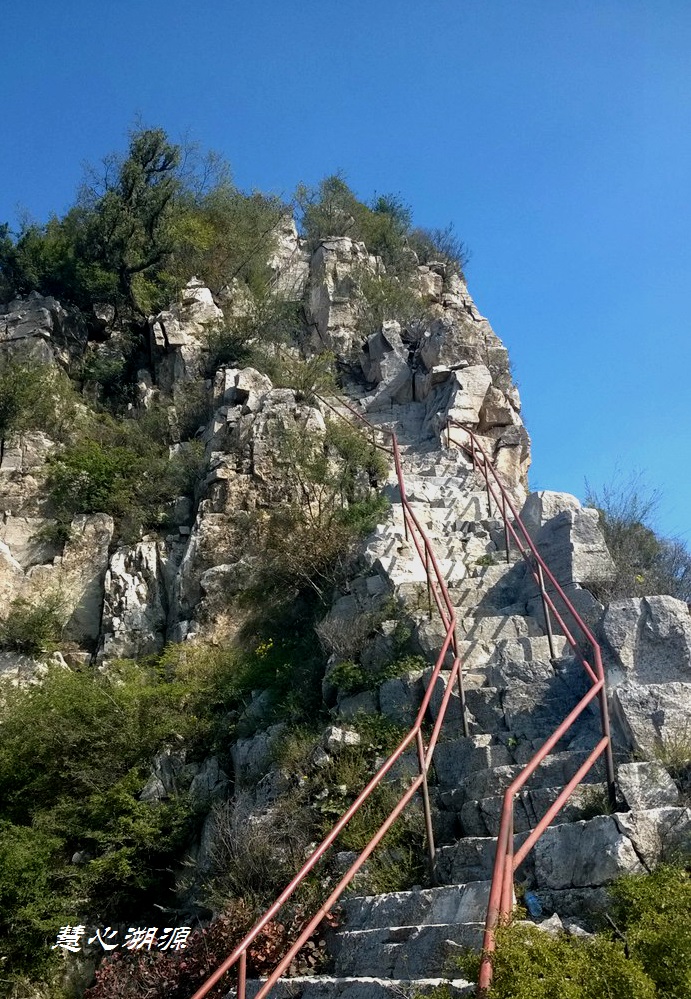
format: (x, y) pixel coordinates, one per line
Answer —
(437, 589)
(507, 861)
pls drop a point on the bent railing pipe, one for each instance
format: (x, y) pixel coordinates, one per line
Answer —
(506, 859)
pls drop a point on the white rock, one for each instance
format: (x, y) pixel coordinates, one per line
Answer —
(646, 785)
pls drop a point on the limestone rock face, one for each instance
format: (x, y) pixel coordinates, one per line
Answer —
(652, 716)
(28, 327)
(75, 577)
(134, 607)
(332, 293)
(290, 262)
(573, 546)
(648, 639)
(542, 506)
(176, 335)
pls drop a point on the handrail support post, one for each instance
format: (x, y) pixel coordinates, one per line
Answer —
(431, 849)
(545, 608)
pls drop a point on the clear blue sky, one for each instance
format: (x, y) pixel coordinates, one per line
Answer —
(555, 135)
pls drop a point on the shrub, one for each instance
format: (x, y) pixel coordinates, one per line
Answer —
(531, 964)
(33, 397)
(388, 297)
(32, 629)
(645, 562)
(440, 244)
(328, 506)
(654, 913)
(331, 209)
(253, 857)
(252, 337)
(122, 468)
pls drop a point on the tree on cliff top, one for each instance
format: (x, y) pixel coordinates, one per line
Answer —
(141, 227)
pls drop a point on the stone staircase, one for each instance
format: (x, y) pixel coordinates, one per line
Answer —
(404, 944)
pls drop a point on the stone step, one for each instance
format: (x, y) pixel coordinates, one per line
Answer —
(328, 987)
(455, 759)
(556, 770)
(525, 712)
(472, 859)
(461, 903)
(482, 818)
(403, 951)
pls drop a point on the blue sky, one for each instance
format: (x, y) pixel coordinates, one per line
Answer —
(556, 136)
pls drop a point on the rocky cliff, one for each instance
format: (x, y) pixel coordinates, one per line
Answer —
(190, 585)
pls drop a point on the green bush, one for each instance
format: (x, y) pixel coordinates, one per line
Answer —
(33, 629)
(75, 753)
(645, 951)
(531, 964)
(253, 336)
(328, 505)
(440, 244)
(34, 397)
(645, 562)
(331, 209)
(654, 914)
(388, 297)
(123, 468)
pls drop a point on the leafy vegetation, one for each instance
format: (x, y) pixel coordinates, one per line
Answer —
(329, 504)
(32, 628)
(33, 397)
(646, 563)
(384, 226)
(388, 297)
(123, 468)
(645, 952)
(139, 229)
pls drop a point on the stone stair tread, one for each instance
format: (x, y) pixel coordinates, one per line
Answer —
(481, 817)
(473, 787)
(403, 951)
(350, 987)
(453, 903)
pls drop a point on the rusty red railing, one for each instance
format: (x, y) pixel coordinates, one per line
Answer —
(438, 593)
(507, 860)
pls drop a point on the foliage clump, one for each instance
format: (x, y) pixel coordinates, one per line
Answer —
(124, 468)
(327, 480)
(33, 397)
(645, 952)
(32, 628)
(645, 562)
(140, 228)
(384, 226)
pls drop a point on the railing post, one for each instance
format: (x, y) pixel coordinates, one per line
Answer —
(604, 721)
(429, 582)
(507, 536)
(507, 884)
(426, 804)
(242, 975)
(545, 608)
(461, 689)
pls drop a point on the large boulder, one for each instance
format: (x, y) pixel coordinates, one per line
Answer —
(573, 546)
(648, 639)
(28, 327)
(289, 263)
(177, 335)
(652, 718)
